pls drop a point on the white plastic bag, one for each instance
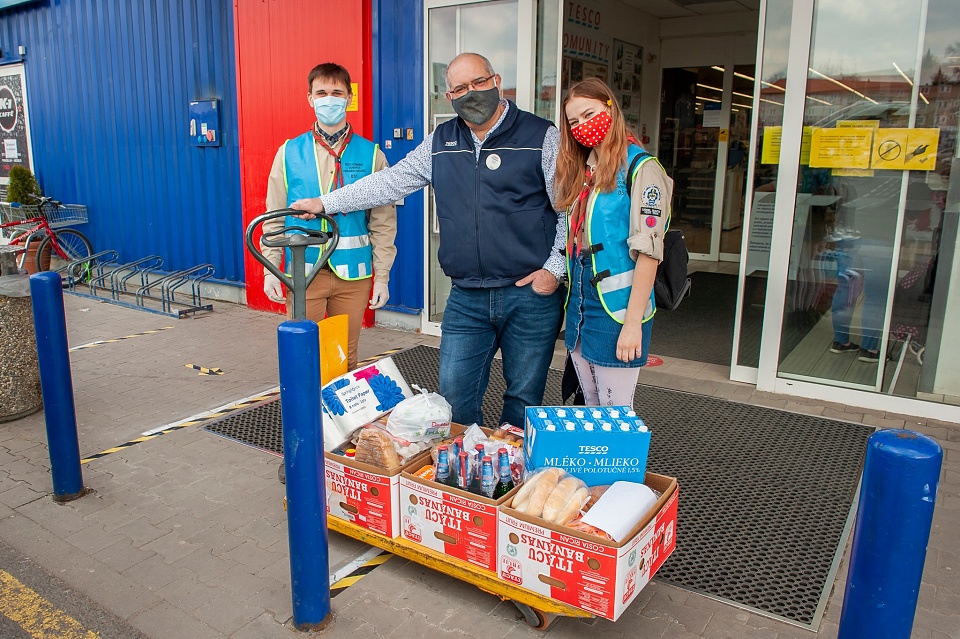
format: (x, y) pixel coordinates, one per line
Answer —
(421, 418)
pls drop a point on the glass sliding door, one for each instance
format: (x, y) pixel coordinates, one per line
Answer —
(874, 230)
(760, 187)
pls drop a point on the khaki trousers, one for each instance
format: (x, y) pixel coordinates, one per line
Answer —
(328, 295)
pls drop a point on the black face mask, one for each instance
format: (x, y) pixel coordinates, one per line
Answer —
(476, 107)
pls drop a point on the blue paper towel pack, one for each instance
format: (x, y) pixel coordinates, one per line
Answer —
(598, 444)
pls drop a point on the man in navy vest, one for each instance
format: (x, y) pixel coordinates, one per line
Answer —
(501, 241)
(319, 161)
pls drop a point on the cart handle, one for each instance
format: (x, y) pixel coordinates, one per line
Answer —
(293, 236)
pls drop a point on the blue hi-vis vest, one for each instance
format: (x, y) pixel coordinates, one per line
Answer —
(353, 259)
(606, 229)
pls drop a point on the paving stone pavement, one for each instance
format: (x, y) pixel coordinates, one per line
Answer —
(184, 536)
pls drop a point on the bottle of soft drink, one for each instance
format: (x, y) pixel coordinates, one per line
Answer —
(442, 472)
(478, 454)
(487, 483)
(505, 485)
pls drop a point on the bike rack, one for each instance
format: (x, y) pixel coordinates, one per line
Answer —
(150, 279)
(96, 262)
(142, 267)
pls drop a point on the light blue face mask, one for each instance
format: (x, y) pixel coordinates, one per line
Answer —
(330, 110)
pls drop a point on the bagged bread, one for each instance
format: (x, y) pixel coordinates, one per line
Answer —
(565, 501)
(535, 490)
(375, 447)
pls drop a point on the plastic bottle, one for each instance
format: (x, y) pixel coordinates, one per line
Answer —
(350, 453)
(442, 470)
(505, 483)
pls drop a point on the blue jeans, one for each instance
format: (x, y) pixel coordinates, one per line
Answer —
(875, 260)
(477, 322)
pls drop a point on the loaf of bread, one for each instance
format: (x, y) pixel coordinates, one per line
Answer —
(376, 448)
(565, 501)
(532, 496)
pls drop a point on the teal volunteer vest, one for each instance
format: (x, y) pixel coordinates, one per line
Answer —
(353, 259)
(606, 229)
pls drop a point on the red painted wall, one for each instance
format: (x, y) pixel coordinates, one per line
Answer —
(277, 43)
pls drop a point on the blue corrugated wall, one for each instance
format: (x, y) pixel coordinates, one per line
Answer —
(108, 87)
(398, 87)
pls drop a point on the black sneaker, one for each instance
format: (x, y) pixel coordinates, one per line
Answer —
(837, 347)
(870, 357)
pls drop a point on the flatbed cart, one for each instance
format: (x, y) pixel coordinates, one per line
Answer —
(538, 611)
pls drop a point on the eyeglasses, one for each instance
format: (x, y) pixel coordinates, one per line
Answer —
(479, 84)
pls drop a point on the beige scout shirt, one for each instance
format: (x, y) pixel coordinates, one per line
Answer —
(381, 221)
(649, 208)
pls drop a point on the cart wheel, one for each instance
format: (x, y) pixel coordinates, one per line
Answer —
(536, 619)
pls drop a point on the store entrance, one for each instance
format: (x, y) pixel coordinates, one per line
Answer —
(704, 137)
(705, 115)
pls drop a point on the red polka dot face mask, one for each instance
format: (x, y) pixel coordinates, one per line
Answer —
(592, 132)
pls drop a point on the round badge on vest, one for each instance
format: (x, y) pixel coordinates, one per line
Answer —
(493, 161)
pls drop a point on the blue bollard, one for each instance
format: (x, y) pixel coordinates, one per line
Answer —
(56, 385)
(303, 457)
(897, 496)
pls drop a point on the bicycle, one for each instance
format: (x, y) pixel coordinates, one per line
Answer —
(43, 222)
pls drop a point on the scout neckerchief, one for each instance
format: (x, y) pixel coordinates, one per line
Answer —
(579, 214)
(338, 171)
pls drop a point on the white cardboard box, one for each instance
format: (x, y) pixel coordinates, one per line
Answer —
(585, 571)
(449, 520)
(366, 495)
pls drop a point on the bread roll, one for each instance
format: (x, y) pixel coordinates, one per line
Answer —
(544, 486)
(558, 499)
(572, 508)
(526, 490)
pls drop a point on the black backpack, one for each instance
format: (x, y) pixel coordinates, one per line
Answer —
(671, 284)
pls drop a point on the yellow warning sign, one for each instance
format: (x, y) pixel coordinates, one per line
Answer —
(355, 99)
(724, 135)
(905, 149)
(805, 138)
(770, 151)
(845, 148)
(856, 124)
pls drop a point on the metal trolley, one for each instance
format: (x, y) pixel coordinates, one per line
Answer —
(538, 610)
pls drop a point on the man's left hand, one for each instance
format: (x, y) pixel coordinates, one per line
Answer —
(544, 282)
(380, 295)
(310, 206)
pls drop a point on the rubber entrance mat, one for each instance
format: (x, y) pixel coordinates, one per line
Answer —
(765, 495)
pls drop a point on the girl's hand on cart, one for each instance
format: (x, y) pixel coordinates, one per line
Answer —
(630, 343)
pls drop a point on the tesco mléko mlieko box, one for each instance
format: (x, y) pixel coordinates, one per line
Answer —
(364, 494)
(585, 571)
(598, 444)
